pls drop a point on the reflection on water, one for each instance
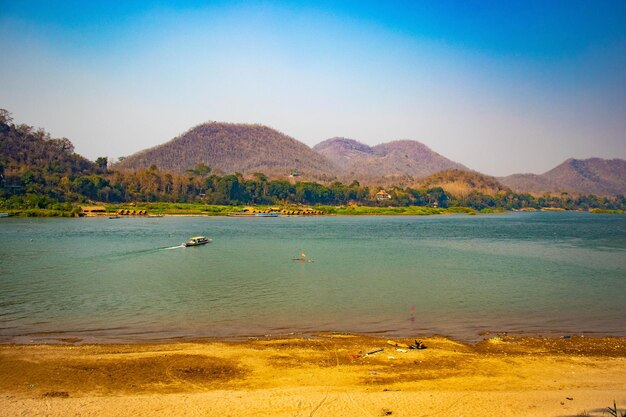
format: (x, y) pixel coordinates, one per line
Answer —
(131, 279)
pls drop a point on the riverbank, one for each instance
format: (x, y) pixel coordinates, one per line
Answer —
(198, 209)
(326, 375)
(193, 209)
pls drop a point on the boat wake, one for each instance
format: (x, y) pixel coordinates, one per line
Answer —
(174, 247)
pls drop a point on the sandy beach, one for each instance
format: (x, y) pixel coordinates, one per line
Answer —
(325, 375)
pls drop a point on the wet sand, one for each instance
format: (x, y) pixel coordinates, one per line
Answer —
(327, 375)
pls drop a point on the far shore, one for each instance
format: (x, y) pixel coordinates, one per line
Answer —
(323, 375)
(142, 210)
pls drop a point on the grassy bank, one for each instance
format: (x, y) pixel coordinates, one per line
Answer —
(43, 213)
(410, 210)
(605, 211)
(211, 210)
(200, 209)
(176, 208)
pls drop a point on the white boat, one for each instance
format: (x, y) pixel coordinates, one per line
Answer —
(197, 241)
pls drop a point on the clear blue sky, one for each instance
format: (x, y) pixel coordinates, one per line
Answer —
(502, 87)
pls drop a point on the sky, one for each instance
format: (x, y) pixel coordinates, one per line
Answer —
(502, 87)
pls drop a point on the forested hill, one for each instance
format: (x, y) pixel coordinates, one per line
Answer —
(32, 161)
(230, 148)
(391, 162)
(581, 176)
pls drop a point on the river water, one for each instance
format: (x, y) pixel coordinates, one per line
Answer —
(128, 280)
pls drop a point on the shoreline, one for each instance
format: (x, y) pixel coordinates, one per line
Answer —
(329, 375)
(365, 211)
(79, 338)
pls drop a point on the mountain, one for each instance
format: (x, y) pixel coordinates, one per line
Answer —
(28, 152)
(399, 160)
(41, 172)
(231, 148)
(578, 176)
(461, 183)
(342, 151)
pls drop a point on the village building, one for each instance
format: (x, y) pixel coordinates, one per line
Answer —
(382, 195)
(92, 210)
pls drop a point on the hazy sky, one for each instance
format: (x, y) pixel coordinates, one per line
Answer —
(502, 87)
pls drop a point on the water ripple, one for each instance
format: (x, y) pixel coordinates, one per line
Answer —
(455, 275)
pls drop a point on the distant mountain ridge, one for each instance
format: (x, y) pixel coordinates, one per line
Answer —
(231, 148)
(581, 176)
(392, 160)
(248, 149)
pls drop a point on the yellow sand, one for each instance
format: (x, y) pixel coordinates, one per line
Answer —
(329, 375)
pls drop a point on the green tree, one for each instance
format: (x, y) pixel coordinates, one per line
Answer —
(281, 190)
(437, 195)
(228, 190)
(102, 162)
(201, 170)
